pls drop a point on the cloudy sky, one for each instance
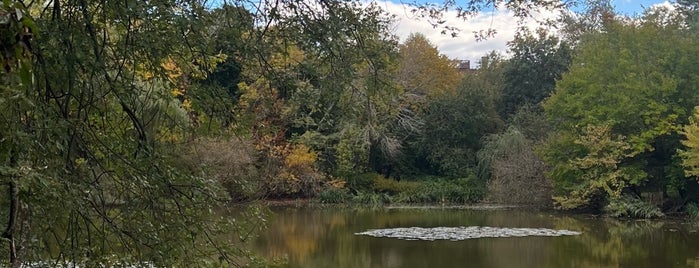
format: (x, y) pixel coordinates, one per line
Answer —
(464, 46)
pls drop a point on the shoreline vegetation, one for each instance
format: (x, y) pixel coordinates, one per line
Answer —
(374, 190)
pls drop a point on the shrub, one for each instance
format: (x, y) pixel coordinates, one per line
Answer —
(514, 173)
(228, 161)
(335, 196)
(631, 207)
(362, 182)
(462, 190)
(297, 174)
(372, 199)
(391, 186)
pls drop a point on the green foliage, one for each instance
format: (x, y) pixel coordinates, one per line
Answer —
(690, 9)
(109, 108)
(374, 189)
(93, 139)
(393, 187)
(373, 182)
(352, 153)
(530, 75)
(598, 170)
(343, 89)
(362, 182)
(616, 116)
(372, 198)
(335, 196)
(454, 126)
(454, 191)
(532, 122)
(631, 207)
(496, 146)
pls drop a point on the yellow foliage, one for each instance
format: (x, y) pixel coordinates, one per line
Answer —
(80, 161)
(172, 70)
(249, 94)
(168, 135)
(690, 156)
(201, 66)
(187, 105)
(337, 183)
(143, 73)
(291, 57)
(297, 174)
(300, 156)
(424, 71)
(176, 92)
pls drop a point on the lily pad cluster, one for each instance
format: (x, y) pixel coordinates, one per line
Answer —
(462, 233)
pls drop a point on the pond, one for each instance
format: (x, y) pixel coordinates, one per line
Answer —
(326, 237)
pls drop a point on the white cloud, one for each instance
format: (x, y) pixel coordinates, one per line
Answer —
(666, 4)
(464, 46)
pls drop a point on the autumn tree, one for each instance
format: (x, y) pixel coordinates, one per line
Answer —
(423, 71)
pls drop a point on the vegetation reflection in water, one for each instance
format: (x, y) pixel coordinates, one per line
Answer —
(324, 237)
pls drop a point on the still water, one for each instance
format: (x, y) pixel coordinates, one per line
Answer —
(325, 237)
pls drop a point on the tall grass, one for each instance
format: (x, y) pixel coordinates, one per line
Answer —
(375, 190)
(453, 191)
(372, 199)
(632, 207)
(335, 196)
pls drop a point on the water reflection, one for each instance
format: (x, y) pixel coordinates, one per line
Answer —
(324, 237)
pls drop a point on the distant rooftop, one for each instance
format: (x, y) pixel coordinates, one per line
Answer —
(463, 66)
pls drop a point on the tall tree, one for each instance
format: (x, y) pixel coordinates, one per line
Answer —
(455, 124)
(424, 72)
(530, 75)
(348, 70)
(590, 19)
(618, 110)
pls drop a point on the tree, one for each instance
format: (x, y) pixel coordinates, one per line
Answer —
(344, 90)
(590, 20)
(454, 125)
(617, 112)
(690, 9)
(531, 74)
(214, 97)
(424, 72)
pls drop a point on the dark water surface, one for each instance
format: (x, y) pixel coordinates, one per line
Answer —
(324, 237)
